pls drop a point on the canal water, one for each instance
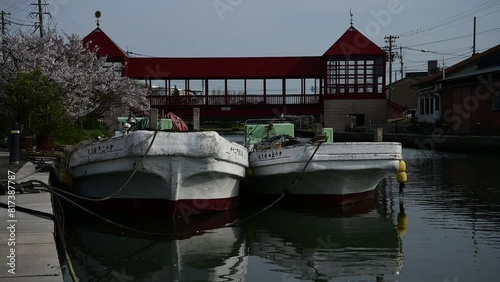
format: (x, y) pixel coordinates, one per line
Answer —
(445, 227)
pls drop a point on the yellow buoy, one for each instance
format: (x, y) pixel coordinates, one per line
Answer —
(401, 177)
(402, 166)
(66, 179)
(402, 224)
(250, 173)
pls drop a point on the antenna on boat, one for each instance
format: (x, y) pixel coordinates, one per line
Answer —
(131, 118)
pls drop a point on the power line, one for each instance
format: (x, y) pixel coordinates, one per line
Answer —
(13, 6)
(18, 23)
(13, 18)
(25, 19)
(440, 29)
(454, 38)
(16, 9)
(66, 14)
(452, 20)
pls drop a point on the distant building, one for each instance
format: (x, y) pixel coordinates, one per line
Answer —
(402, 92)
(467, 101)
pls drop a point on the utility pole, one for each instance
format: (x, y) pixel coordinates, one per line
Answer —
(3, 22)
(474, 39)
(40, 16)
(391, 39)
(401, 59)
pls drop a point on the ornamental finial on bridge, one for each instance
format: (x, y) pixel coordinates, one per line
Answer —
(350, 13)
(97, 16)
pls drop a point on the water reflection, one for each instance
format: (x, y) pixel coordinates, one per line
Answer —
(317, 243)
(447, 222)
(320, 244)
(466, 186)
(101, 253)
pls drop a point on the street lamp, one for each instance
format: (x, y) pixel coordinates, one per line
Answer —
(427, 51)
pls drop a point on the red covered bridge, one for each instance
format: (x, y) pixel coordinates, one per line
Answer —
(348, 79)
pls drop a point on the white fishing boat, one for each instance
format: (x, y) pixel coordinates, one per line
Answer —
(174, 173)
(338, 172)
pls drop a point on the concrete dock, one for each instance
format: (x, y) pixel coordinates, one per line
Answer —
(34, 253)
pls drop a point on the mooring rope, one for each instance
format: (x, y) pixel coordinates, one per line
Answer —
(24, 177)
(287, 191)
(53, 191)
(59, 233)
(122, 187)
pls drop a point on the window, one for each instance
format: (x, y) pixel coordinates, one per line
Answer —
(496, 101)
(436, 103)
(359, 75)
(421, 105)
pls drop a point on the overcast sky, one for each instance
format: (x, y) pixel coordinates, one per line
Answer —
(194, 28)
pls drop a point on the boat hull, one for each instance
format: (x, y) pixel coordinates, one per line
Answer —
(182, 174)
(339, 173)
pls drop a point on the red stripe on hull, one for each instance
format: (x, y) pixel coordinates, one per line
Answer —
(162, 208)
(313, 199)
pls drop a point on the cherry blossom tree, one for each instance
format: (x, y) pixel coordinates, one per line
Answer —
(87, 83)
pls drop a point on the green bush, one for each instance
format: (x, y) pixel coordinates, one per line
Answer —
(71, 132)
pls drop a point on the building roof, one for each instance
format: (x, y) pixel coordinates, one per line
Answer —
(405, 79)
(107, 47)
(353, 42)
(482, 60)
(474, 73)
(241, 67)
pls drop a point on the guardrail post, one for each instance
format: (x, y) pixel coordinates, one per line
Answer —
(196, 119)
(14, 144)
(379, 132)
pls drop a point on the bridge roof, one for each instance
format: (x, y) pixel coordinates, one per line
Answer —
(353, 42)
(107, 47)
(225, 67)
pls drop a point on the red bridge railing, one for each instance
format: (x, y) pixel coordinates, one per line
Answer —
(209, 100)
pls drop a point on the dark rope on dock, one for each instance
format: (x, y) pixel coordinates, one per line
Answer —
(31, 211)
(54, 191)
(59, 234)
(41, 167)
(286, 192)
